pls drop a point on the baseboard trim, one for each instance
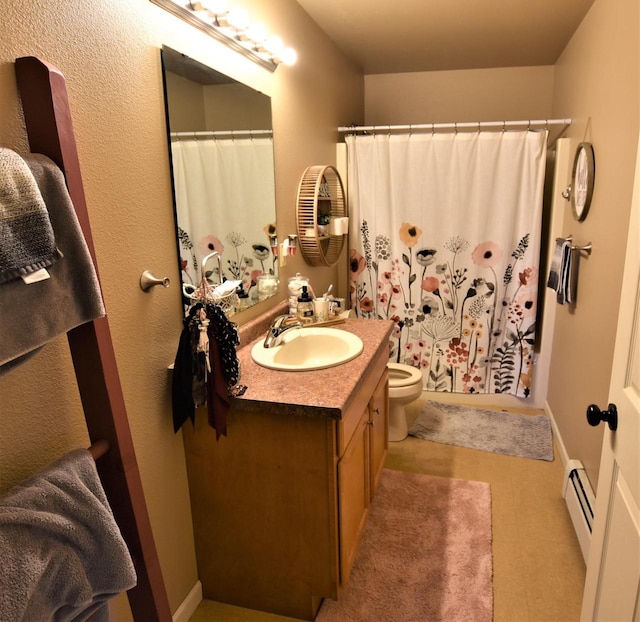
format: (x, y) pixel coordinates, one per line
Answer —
(189, 604)
(557, 437)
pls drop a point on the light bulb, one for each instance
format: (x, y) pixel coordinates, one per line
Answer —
(216, 7)
(274, 45)
(238, 18)
(289, 56)
(257, 32)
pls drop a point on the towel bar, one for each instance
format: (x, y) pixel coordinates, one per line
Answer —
(99, 449)
(587, 248)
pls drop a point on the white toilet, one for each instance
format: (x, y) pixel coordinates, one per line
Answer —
(405, 386)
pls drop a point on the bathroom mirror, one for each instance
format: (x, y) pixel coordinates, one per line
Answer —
(222, 169)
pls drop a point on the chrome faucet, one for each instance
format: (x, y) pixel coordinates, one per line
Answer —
(279, 326)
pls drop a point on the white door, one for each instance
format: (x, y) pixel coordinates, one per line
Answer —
(612, 587)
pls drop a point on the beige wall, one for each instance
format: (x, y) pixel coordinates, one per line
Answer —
(234, 107)
(512, 93)
(596, 84)
(109, 54)
(186, 104)
(195, 107)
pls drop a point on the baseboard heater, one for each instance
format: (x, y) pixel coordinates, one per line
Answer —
(578, 494)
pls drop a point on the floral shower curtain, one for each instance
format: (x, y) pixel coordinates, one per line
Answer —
(445, 241)
(212, 193)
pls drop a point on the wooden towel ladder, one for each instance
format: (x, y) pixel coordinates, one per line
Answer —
(47, 116)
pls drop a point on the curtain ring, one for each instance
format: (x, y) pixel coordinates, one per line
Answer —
(504, 126)
(433, 129)
(455, 127)
(478, 127)
(410, 129)
(529, 126)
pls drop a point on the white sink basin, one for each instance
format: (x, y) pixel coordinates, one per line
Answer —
(304, 349)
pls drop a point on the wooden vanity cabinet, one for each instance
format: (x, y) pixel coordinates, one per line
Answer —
(279, 506)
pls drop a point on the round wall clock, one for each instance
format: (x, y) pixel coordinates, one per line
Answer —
(582, 178)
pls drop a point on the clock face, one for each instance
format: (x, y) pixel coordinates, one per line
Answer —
(582, 178)
(582, 181)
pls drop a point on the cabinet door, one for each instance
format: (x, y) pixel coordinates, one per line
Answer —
(353, 487)
(379, 433)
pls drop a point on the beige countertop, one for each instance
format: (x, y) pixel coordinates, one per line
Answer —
(321, 392)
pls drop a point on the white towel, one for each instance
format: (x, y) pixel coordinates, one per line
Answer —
(63, 555)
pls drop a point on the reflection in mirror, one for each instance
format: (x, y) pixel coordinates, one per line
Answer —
(223, 178)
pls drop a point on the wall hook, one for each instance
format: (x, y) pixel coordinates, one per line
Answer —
(148, 280)
(567, 193)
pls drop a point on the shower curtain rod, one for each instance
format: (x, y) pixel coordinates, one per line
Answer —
(467, 125)
(221, 133)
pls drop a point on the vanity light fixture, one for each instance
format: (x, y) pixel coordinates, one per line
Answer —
(234, 28)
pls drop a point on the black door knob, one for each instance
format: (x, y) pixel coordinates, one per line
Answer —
(595, 416)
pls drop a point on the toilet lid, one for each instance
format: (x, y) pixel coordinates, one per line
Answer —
(403, 375)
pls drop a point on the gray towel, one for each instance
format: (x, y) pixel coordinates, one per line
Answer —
(560, 279)
(34, 314)
(63, 555)
(565, 291)
(27, 242)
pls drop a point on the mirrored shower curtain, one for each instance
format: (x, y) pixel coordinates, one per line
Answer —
(215, 181)
(445, 241)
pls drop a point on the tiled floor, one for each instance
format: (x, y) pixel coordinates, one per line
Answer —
(538, 567)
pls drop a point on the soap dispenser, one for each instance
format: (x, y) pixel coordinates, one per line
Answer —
(305, 306)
